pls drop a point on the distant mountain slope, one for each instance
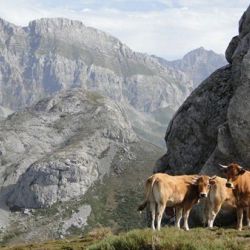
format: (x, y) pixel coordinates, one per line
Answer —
(197, 64)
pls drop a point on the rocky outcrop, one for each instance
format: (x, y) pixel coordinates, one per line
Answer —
(197, 64)
(213, 124)
(56, 149)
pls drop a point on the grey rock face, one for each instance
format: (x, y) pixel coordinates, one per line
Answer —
(40, 60)
(56, 149)
(231, 48)
(213, 125)
(192, 133)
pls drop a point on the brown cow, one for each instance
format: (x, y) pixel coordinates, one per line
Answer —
(181, 192)
(238, 179)
(219, 196)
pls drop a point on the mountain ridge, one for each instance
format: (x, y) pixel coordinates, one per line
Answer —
(197, 64)
(48, 46)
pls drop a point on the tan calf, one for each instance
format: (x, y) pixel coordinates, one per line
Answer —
(219, 197)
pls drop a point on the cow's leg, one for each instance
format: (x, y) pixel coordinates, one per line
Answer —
(152, 209)
(160, 211)
(178, 216)
(239, 218)
(248, 216)
(214, 210)
(206, 210)
(186, 211)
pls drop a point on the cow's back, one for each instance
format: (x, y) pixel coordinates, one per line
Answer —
(242, 189)
(221, 194)
(171, 190)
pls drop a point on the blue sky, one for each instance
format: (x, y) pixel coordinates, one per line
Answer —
(167, 28)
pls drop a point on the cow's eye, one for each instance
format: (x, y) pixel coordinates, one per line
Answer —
(208, 185)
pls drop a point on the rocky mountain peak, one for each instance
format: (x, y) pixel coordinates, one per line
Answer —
(197, 64)
(57, 22)
(40, 60)
(201, 54)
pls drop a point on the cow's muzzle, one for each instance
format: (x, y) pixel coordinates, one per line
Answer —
(203, 195)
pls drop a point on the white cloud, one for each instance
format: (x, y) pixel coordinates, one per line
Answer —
(171, 32)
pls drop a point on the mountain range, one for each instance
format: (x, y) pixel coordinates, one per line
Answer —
(40, 60)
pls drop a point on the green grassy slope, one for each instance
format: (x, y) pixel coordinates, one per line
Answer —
(171, 238)
(146, 239)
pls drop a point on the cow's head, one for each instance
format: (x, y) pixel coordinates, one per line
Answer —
(203, 183)
(232, 172)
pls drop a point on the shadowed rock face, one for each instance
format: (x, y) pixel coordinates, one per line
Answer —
(192, 133)
(213, 124)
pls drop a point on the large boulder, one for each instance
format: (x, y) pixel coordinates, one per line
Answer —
(213, 124)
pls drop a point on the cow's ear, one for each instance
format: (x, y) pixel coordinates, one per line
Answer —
(196, 180)
(242, 171)
(193, 182)
(211, 182)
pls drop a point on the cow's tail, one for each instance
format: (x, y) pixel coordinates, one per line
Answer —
(148, 191)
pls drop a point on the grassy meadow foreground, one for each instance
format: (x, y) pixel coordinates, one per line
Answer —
(146, 239)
